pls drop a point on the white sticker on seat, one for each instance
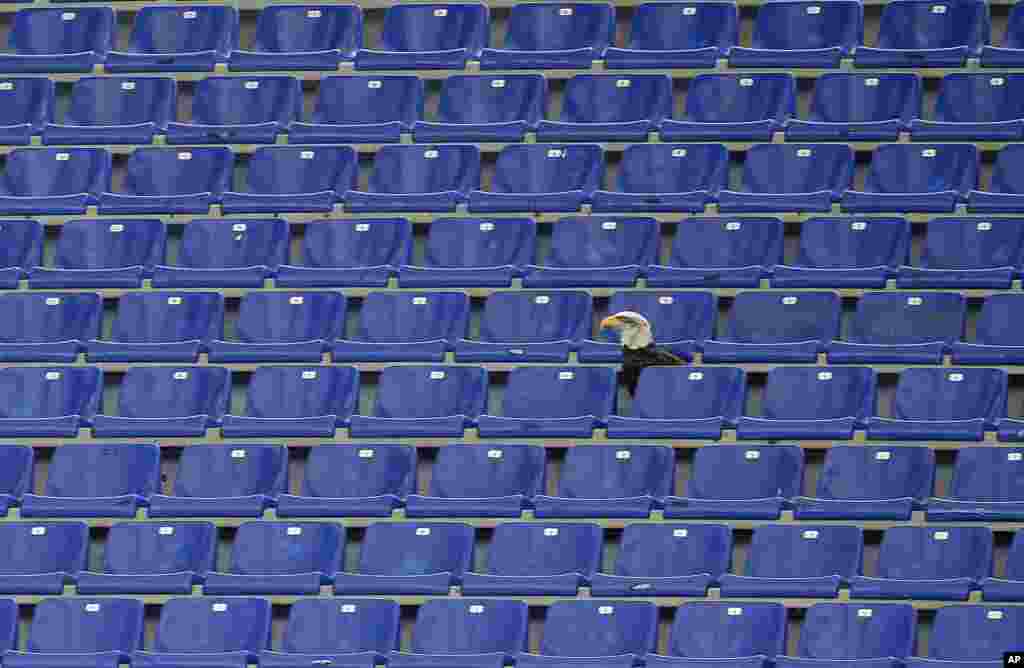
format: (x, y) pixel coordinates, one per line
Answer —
(789, 301)
(623, 83)
(871, 82)
(566, 375)
(116, 227)
(695, 375)
(53, 301)
(497, 83)
(666, 299)
(38, 531)
(689, 11)
(1014, 457)
(53, 375)
(219, 607)
(955, 377)
(542, 299)
(313, 13)
(914, 301)
(189, 14)
(606, 610)
(348, 608)
(419, 301)
(938, 9)
(239, 227)
(366, 453)
(238, 453)
(746, 82)
(556, 152)
(752, 454)
(813, 10)
(609, 225)
(565, 11)
(307, 155)
(550, 531)
(252, 85)
(984, 226)
(733, 226)
(803, 152)
(883, 456)
(864, 612)
(165, 531)
(680, 533)
(436, 375)
(516, 351)
(92, 607)
(430, 154)
(941, 535)
(294, 531)
(309, 375)
(486, 227)
(374, 84)
(68, 16)
(174, 301)
(296, 300)
(623, 455)
(995, 614)
(824, 375)
(929, 153)
(858, 226)
(996, 81)
(6, 85)
(440, 12)
(494, 454)
(734, 612)
(476, 609)
(422, 531)
(63, 157)
(810, 534)
(127, 85)
(679, 153)
(362, 227)
(184, 155)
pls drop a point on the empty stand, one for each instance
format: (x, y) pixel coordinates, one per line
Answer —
(976, 107)
(1005, 189)
(295, 401)
(791, 177)
(673, 177)
(974, 632)
(718, 630)
(306, 37)
(486, 108)
(362, 109)
(424, 401)
(47, 327)
(28, 105)
(21, 249)
(537, 559)
(855, 631)
(115, 110)
(478, 252)
(904, 178)
(239, 110)
(472, 481)
(418, 178)
(610, 108)
(961, 253)
(168, 180)
(343, 481)
(986, 486)
(436, 36)
(859, 107)
(922, 33)
(669, 35)
(734, 107)
(466, 627)
(58, 40)
(740, 481)
(100, 254)
(542, 177)
(15, 474)
(622, 481)
(167, 401)
(228, 631)
(349, 253)
(996, 339)
(48, 401)
(282, 179)
(53, 181)
(217, 253)
(598, 628)
(802, 34)
(733, 253)
(545, 35)
(846, 252)
(177, 39)
(336, 630)
(42, 558)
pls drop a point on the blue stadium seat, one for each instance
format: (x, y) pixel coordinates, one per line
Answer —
(740, 481)
(734, 107)
(916, 178)
(276, 558)
(227, 632)
(537, 559)
(410, 558)
(667, 560)
(962, 253)
(239, 110)
(177, 39)
(553, 401)
(987, 486)
(153, 558)
(542, 177)
(943, 404)
(1006, 191)
(1010, 588)
(283, 179)
(80, 633)
(930, 563)
(598, 629)
(15, 475)
(791, 177)
(169, 180)
(1011, 53)
(479, 253)
(346, 481)
(167, 401)
(434, 36)
(52, 181)
(302, 37)
(902, 327)
(97, 480)
(225, 480)
(99, 254)
(41, 558)
(48, 401)
(975, 107)
(713, 630)
(160, 327)
(802, 34)
(349, 253)
(48, 327)
(859, 107)
(226, 253)
(439, 401)
(923, 33)
(597, 252)
(847, 631)
(774, 327)
(493, 108)
(362, 109)
(26, 107)
(997, 337)
(22, 248)
(677, 35)
(549, 35)
(283, 327)
(447, 631)
(115, 110)
(805, 561)
(870, 482)
(846, 252)
(8, 624)
(58, 39)
(679, 321)
(406, 327)
(816, 404)
(475, 481)
(419, 178)
(526, 326)
(666, 177)
(975, 632)
(720, 252)
(303, 402)
(609, 107)
(338, 631)
(620, 481)
(678, 402)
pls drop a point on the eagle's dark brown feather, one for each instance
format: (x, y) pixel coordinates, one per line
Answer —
(635, 359)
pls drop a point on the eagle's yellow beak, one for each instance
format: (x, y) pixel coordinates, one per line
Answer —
(611, 322)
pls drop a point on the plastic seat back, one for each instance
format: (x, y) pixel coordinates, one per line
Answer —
(47, 172)
(340, 472)
(552, 392)
(171, 171)
(972, 244)
(808, 393)
(919, 24)
(246, 100)
(548, 168)
(231, 470)
(663, 26)
(470, 627)
(104, 471)
(298, 392)
(673, 392)
(22, 243)
(950, 394)
(494, 471)
(674, 316)
(412, 548)
(599, 628)
(525, 317)
(942, 553)
(734, 98)
(845, 243)
(667, 550)
(334, 626)
(169, 392)
(28, 101)
(217, 244)
(806, 25)
(860, 98)
(777, 318)
(617, 472)
(988, 474)
(145, 548)
(284, 170)
(122, 101)
(425, 169)
(427, 316)
(596, 98)
(975, 632)
(184, 30)
(481, 243)
(604, 242)
(493, 99)
(38, 392)
(290, 317)
(435, 28)
(544, 549)
(877, 472)
(42, 318)
(425, 391)
(921, 169)
(182, 316)
(95, 244)
(858, 631)
(37, 32)
(553, 27)
(29, 549)
(673, 168)
(778, 551)
(980, 98)
(746, 472)
(717, 630)
(85, 625)
(794, 168)
(362, 243)
(208, 624)
(355, 100)
(728, 243)
(307, 28)
(282, 548)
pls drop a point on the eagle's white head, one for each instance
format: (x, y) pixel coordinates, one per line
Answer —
(633, 328)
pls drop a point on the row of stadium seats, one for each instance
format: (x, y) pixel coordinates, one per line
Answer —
(957, 253)
(515, 326)
(744, 481)
(912, 33)
(523, 559)
(527, 178)
(490, 633)
(958, 404)
(503, 108)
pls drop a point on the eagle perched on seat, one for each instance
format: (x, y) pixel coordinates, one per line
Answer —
(638, 347)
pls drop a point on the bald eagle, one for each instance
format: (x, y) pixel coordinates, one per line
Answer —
(638, 348)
